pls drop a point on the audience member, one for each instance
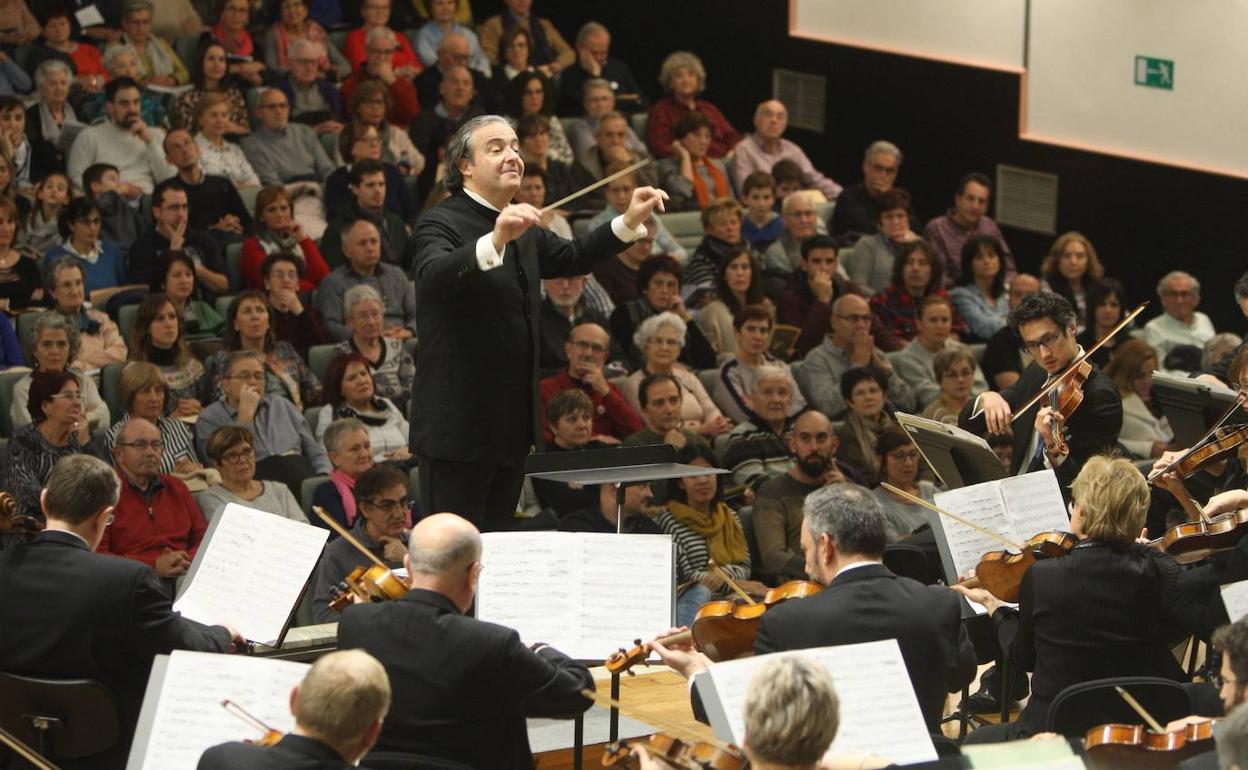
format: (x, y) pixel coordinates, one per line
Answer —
(968, 218)
(283, 52)
(119, 220)
(121, 61)
(801, 223)
(980, 296)
(683, 77)
(213, 203)
(350, 392)
(612, 148)
(721, 225)
(232, 451)
(172, 233)
(439, 120)
(563, 308)
(534, 133)
(362, 249)
(863, 389)
(756, 450)
(913, 363)
(374, 15)
(282, 152)
(286, 450)
(857, 213)
(661, 338)
(1070, 269)
(101, 260)
(603, 514)
(40, 232)
(738, 283)
(662, 400)
(875, 254)
(389, 360)
(959, 380)
(1145, 431)
(145, 396)
(213, 79)
(369, 188)
(158, 64)
(349, 451)
(277, 232)
(778, 505)
(594, 62)
(58, 44)
(618, 275)
(691, 177)
(361, 142)
(569, 416)
(1003, 355)
(761, 225)
(1107, 302)
(738, 376)
(533, 192)
(217, 156)
(1180, 322)
(441, 23)
(20, 284)
(811, 289)
(586, 352)
(157, 338)
(314, 100)
(370, 104)
(54, 428)
(123, 140)
(99, 341)
(246, 65)
(658, 282)
(1218, 348)
(548, 49)
(454, 50)
(404, 104)
(51, 345)
(761, 150)
(531, 93)
(16, 144)
(156, 520)
(248, 326)
(849, 346)
(515, 49)
(617, 194)
(899, 467)
(915, 277)
(48, 118)
(381, 499)
(291, 313)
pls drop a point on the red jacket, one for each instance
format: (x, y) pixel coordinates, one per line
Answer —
(355, 50)
(145, 524)
(404, 103)
(253, 259)
(613, 416)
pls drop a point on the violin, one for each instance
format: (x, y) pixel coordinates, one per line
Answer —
(1118, 745)
(270, 736)
(1001, 572)
(676, 753)
(13, 521)
(367, 584)
(1224, 442)
(1195, 540)
(1069, 398)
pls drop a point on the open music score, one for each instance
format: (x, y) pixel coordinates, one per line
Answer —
(879, 712)
(1235, 597)
(581, 593)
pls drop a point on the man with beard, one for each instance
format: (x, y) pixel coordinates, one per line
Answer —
(778, 506)
(123, 140)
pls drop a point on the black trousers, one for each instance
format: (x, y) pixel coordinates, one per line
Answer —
(486, 495)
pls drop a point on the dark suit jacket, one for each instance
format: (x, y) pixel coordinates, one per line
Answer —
(1092, 429)
(1099, 612)
(475, 397)
(68, 613)
(293, 752)
(461, 687)
(44, 156)
(870, 603)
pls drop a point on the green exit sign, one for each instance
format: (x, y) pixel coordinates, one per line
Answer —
(1154, 73)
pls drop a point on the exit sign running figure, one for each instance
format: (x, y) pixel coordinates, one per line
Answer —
(1154, 73)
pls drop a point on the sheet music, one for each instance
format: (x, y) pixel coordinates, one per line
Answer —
(1034, 504)
(188, 715)
(981, 504)
(250, 571)
(597, 591)
(878, 709)
(1235, 597)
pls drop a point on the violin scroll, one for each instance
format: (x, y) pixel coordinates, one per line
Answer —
(12, 520)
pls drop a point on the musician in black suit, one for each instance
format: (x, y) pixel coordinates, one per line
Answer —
(1106, 610)
(339, 707)
(1045, 322)
(462, 687)
(69, 613)
(478, 264)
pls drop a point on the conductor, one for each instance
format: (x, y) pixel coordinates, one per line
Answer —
(479, 260)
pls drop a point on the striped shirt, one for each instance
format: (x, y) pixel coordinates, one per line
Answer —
(176, 435)
(692, 553)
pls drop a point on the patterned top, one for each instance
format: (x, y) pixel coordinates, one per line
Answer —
(176, 435)
(228, 161)
(897, 311)
(393, 374)
(30, 462)
(286, 374)
(184, 109)
(692, 553)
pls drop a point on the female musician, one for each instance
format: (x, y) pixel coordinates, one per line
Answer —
(1107, 609)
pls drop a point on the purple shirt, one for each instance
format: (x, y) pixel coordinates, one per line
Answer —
(948, 237)
(751, 157)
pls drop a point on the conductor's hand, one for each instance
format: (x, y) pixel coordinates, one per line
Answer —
(512, 222)
(645, 201)
(996, 413)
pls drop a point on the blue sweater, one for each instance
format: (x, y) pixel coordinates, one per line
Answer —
(108, 271)
(10, 348)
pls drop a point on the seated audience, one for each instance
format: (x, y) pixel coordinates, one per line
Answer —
(1107, 303)
(286, 450)
(283, 152)
(603, 514)
(232, 451)
(379, 67)
(277, 232)
(959, 380)
(158, 338)
(99, 341)
(761, 150)
(756, 450)
(761, 225)
(248, 326)
(658, 282)
(217, 156)
(570, 419)
(934, 325)
(531, 93)
(738, 376)
(172, 233)
(800, 223)
(213, 202)
(375, 14)
(597, 97)
(122, 62)
(738, 284)
(48, 117)
(52, 345)
(40, 230)
(54, 428)
(380, 496)
(439, 120)
(899, 466)
(1145, 431)
(693, 178)
(778, 505)
(661, 338)
(683, 77)
(17, 144)
(291, 313)
(119, 219)
(849, 346)
(389, 360)
(350, 392)
(857, 212)
(213, 79)
(370, 104)
(1180, 322)
(514, 48)
(611, 147)
(1071, 269)
(915, 277)
(534, 133)
(79, 224)
(158, 64)
(950, 232)
(174, 274)
(658, 238)
(20, 282)
(533, 192)
(586, 349)
(145, 396)
(863, 389)
(662, 398)
(563, 308)
(314, 101)
(874, 255)
(721, 225)
(811, 289)
(58, 44)
(156, 520)
(246, 64)
(618, 275)
(282, 51)
(357, 143)
(594, 62)
(349, 452)
(980, 296)
(441, 23)
(703, 529)
(125, 140)
(1003, 355)
(454, 50)
(549, 49)
(369, 188)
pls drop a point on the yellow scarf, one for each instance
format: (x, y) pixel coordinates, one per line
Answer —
(725, 540)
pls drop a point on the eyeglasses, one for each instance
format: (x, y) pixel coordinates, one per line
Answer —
(1046, 342)
(247, 376)
(1217, 680)
(239, 455)
(905, 456)
(66, 395)
(143, 446)
(390, 506)
(593, 347)
(854, 318)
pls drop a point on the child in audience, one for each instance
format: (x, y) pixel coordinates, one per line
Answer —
(51, 195)
(120, 221)
(788, 176)
(762, 224)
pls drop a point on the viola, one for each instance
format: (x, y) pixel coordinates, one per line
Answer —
(1001, 572)
(677, 753)
(1118, 745)
(365, 585)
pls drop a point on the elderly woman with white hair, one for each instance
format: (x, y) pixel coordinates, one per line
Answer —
(47, 118)
(683, 77)
(391, 365)
(122, 61)
(293, 26)
(51, 344)
(158, 64)
(660, 338)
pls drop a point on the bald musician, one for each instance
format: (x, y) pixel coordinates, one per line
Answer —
(67, 612)
(338, 707)
(462, 687)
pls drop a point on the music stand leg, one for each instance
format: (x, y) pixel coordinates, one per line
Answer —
(619, 528)
(578, 742)
(614, 735)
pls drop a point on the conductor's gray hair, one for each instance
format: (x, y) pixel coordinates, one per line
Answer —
(457, 553)
(459, 149)
(791, 712)
(340, 429)
(79, 486)
(851, 516)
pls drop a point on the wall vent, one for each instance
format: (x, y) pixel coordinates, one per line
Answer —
(1027, 199)
(804, 95)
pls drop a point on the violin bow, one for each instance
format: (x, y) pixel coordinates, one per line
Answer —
(920, 501)
(608, 180)
(1153, 724)
(1240, 398)
(25, 752)
(246, 716)
(1079, 360)
(724, 576)
(345, 535)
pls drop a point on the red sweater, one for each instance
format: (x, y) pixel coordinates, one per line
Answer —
(613, 416)
(404, 104)
(661, 127)
(144, 525)
(253, 259)
(355, 50)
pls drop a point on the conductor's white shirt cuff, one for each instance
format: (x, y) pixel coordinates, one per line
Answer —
(488, 257)
(626, 233)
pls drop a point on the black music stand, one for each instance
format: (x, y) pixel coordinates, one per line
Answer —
(1193, 406)
(620, 467)
(958, 457)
